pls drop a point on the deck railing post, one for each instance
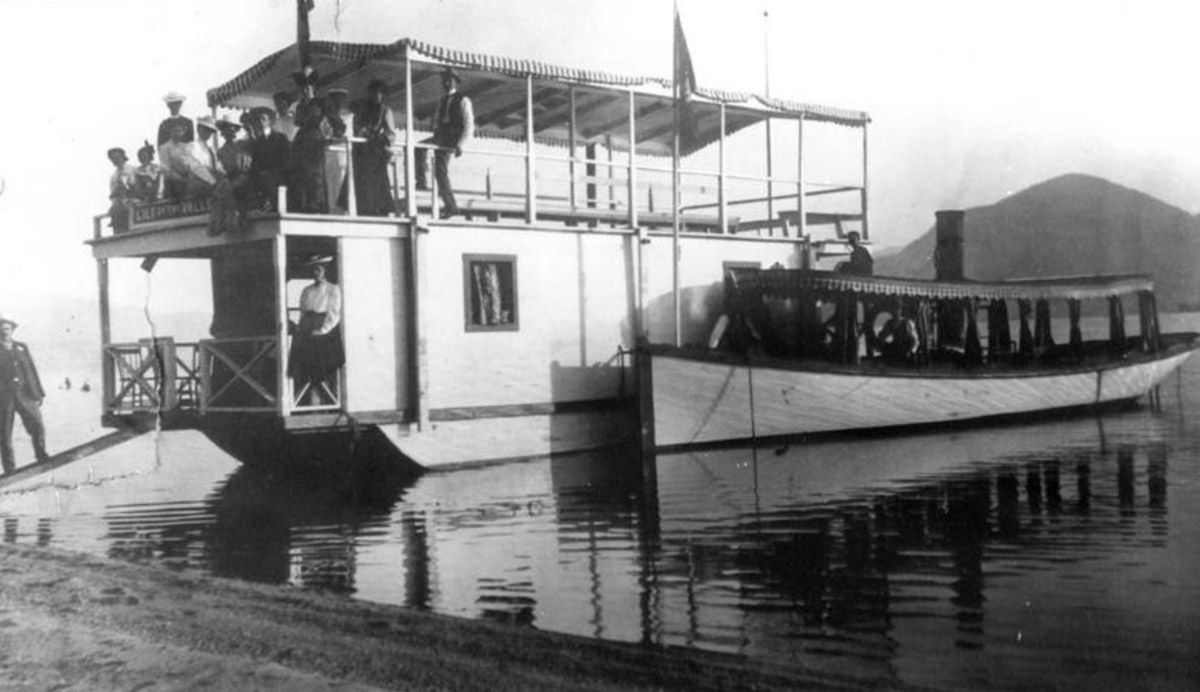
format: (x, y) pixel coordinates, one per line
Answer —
(530, 159)
(410, 200)
(801, 206)
(866, 232)
(284, 394)
(351, 195)
(633, 215)
(573, 128)
(722, 194)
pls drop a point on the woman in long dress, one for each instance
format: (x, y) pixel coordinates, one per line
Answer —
(317, 351)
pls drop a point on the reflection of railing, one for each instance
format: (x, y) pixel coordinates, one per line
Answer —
(238, 374)
(151, 375)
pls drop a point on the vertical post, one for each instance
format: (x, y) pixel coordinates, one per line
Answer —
(530, 160)
(573, 127)
(351, 194)
(801, 202)
(866, 233)
(767, 93)
(410, 199)
(675, 201)
(108, 385)
(279, 246)
(420, 397)
(633, 215)
(722, 194)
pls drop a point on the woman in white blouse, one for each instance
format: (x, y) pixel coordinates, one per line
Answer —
(317, 349)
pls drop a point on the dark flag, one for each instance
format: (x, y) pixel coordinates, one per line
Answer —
(685, 86)
(303, 7)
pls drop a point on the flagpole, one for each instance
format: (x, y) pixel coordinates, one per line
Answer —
(676, 28)
(303, 7)
(767, 85)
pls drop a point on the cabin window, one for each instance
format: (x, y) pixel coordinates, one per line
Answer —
(490, 292)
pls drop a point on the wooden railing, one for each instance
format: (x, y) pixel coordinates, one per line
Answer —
(239, 375)
(150, 375)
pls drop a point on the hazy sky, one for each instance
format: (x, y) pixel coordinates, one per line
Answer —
(970, 100)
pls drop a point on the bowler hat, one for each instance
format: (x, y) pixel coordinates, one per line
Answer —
(115, 150)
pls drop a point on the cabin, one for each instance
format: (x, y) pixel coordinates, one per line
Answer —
(597, 210)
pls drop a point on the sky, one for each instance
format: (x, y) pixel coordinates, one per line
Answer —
(970, 101)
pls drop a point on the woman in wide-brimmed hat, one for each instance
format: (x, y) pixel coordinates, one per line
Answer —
(317, 351)
(306, 186)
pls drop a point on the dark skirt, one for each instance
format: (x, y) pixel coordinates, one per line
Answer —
(313, 357)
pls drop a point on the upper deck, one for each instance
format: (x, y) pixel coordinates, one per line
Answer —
(556, 147)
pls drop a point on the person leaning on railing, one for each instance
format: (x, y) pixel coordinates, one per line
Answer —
(453, 126)
(373, 121)
(185, 175)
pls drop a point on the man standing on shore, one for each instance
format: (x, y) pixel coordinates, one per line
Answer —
(20, 392)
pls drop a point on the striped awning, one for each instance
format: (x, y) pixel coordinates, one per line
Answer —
(497, 86)
(790, 283)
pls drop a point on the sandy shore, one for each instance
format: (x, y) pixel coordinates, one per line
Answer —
(76, 622)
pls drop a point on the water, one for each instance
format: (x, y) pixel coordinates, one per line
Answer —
(1061, 554)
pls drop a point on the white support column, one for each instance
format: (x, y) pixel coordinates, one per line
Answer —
(866, 233)
(410, 175)
(108, 383)
(722, 195)
(351, 194)
(801, 201)
(284, 392)
(633, 214)
(420, 350)
(573, 126)
(530, 159)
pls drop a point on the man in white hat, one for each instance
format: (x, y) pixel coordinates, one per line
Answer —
(20, 393)
(204, 147)
(174, 101)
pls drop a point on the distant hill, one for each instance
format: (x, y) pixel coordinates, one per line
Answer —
(1070, 225)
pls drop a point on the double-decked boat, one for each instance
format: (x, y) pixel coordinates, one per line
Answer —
(507, 330)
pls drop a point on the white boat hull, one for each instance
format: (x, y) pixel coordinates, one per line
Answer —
(698, 400)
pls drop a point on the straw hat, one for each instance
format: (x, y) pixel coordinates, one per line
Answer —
(174, 96)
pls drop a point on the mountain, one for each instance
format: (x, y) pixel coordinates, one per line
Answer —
(1070, 225)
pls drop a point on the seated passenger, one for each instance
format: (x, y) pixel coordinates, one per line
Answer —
(148, 176)
(120, 190)
(185, 176)
(860, 262)
(898, 340)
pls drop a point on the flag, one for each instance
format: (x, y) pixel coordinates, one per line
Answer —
(303, 7)
(685, 86)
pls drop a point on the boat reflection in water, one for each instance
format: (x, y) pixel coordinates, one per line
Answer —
(1024, 554)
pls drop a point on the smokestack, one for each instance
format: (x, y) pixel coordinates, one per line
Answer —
(948, 251)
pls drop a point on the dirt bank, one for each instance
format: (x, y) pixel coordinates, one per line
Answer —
(76, 622)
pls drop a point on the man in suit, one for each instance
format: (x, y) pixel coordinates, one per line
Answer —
(453, 126)
(20, 393)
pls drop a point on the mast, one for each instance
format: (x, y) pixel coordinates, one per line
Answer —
(677, 32)
(303, 7)
(767, 93)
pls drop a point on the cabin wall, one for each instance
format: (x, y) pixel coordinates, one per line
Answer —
(575, 308)
(701, 280)
(375, 314)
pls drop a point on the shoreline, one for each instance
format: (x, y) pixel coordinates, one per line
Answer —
(73, 621)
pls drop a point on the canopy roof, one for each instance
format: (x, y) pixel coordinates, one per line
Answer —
(786, 283)
(496, 86)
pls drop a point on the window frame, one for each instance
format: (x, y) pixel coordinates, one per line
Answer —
(468, 325)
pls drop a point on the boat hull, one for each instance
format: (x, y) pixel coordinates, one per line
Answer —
(699, 399)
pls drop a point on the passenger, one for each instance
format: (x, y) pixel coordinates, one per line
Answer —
(860, 262)
(148, 177)
(335, 150)
(121, 190)
(174, 101)
(270, 154)
(374, 122)
(898, 340)
(306, 182)
(20, 393)
(205, 148)
(317, 351)
(234, 193)
(453, 126)
(285, 116)
(184, 175)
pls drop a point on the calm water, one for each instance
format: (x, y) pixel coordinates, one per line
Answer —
(1062, 554)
